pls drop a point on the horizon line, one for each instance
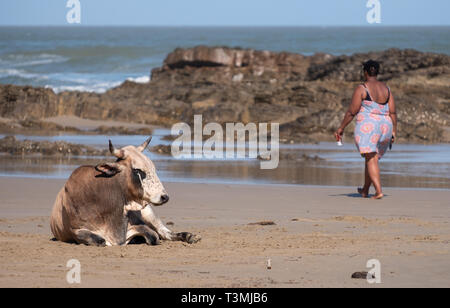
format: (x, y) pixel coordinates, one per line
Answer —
(224, 26)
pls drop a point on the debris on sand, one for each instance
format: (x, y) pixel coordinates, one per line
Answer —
(262, 223)
(361, 275)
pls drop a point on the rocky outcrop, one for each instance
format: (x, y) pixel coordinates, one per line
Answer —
(161, 149)
(235, 63)
(307, 95)
(33, 127)
(395, 64)
(12, 146)
(46, 128)
(27, 102)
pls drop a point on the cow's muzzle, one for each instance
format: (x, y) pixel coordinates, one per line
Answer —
(163, 199)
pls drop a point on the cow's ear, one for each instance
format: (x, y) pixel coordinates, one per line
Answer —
(108, 169)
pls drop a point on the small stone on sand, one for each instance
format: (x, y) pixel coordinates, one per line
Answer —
(262, 223)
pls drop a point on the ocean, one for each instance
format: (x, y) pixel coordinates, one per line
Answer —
(99, 58)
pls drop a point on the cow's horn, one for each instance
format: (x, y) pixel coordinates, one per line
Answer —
(116, 153)
(143, 146)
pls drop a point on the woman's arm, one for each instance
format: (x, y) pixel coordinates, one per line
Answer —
(393, 115)
(353, 109)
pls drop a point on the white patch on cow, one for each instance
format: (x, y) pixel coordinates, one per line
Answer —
(132, 206)
(150, 218)
(152, 186)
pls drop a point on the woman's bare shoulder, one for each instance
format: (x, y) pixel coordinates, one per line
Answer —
(360, 87)
(382, 84)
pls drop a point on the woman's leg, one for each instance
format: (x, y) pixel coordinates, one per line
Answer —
(374, 173)
(364, 191)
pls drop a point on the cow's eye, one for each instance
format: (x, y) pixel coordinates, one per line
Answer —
(139, 172)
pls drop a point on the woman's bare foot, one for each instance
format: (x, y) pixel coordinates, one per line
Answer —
(377, 196)
(363, 192)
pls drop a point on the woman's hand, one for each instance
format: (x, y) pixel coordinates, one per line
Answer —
(394, 137)
(338, 134)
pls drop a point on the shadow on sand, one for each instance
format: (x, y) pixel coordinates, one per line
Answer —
(354, 195)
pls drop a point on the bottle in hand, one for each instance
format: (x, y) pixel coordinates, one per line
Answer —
(339, 141)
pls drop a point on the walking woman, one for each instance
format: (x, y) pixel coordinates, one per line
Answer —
(376, 124)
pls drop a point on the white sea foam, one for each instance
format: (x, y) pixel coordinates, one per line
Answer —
(13, 66)
(142, 79)
(23, 60)
(101, 87)
(93, 86)
(11, 72)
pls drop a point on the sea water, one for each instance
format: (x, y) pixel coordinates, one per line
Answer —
(99, 58)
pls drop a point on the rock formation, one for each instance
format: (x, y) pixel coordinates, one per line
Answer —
(12, 146)
(307, 95)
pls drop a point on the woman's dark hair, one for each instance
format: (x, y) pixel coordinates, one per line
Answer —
(371, 67)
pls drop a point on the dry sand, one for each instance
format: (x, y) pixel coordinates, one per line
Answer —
(320, 237)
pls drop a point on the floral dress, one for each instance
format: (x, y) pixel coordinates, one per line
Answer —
(373, 130)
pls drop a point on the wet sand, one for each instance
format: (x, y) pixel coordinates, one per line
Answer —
(320, 237)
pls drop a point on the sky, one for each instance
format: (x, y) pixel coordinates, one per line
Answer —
(225, 12)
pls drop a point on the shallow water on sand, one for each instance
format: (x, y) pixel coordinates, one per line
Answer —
(407, 165)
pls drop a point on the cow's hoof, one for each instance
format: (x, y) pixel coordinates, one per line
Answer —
(152, 238)
(194, 239)
(156, 241)
(89, 238)
(189, 237)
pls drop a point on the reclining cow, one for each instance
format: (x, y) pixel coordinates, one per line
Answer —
(110, 204)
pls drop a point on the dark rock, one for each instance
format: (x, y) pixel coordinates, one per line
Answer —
(361, 275)
(45, 127)
(299, 156)
(170, 137)
(263, 223)
(264, 156)
(394, 63)
(120, 130)
(162, 149)
(11, 145)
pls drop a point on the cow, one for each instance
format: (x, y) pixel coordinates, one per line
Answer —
(111, 203)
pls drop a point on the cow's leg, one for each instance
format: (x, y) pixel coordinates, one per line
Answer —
(84, 236)
(148, 216)
(186, 237)
(150, 236)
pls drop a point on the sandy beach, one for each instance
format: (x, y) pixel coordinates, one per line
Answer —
(260, 123)
(320, 237)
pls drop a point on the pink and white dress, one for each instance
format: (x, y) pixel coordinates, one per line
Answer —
(373, 130)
